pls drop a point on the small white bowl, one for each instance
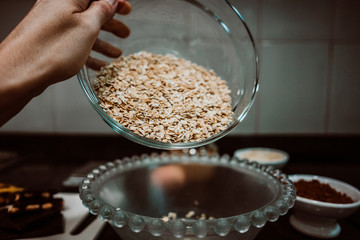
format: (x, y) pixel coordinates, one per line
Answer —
(317, 218)
(265, 156)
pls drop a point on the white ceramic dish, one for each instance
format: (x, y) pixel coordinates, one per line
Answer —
(265, 156)
(318, 219)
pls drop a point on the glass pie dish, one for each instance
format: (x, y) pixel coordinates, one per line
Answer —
(210, 33)
(212, 197)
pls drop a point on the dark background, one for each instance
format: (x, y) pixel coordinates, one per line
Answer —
(47, 160)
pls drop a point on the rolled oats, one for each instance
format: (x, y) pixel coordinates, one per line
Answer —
(164, 98)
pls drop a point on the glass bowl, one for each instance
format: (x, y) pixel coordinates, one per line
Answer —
(225, 197)
(210, 33)
(319, 219)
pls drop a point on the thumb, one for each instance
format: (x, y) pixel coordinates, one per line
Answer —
(102, 11)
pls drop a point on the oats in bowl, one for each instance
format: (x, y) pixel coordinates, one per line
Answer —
(164, 98)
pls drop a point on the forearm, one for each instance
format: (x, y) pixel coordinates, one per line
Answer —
(32, 58)
(21, 79)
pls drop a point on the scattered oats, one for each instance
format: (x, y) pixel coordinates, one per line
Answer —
(203, 216)
(172, 215)
(164, 98)
(196, 203)
(190, 214)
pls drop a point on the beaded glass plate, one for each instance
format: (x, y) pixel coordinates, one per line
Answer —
(211, 196)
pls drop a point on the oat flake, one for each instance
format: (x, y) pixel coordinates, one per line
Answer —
(164, 98)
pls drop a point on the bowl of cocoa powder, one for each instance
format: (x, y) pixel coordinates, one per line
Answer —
(320, 202)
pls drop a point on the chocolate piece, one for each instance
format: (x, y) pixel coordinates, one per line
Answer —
(11, 197)
(34, 194)
(7, 192)
(32, 225)
(23, 222)
(29, 213)
(35, 205)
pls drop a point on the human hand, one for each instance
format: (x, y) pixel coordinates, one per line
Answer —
(51, 44)
(57, 36)
(117, 28)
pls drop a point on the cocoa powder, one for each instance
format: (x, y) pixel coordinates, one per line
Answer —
(316, 190)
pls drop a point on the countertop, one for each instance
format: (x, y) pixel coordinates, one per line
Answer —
(50, 159)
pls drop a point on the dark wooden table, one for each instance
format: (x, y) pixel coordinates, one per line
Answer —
(49, 159)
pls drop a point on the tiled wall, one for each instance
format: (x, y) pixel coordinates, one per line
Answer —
(309, 73)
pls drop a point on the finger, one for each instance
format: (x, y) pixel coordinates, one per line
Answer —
(106, 49)
(124, 7)
(95, 64)
(102, 11)
(116, 27)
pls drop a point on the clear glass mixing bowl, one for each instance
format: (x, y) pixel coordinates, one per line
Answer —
(211, 33)
(133, 194)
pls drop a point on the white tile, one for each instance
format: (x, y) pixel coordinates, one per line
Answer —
(249, 11)
(36, 117)
(293, 88)
(74, 113)
(296, 19)
(345, 91)
(347, 20)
